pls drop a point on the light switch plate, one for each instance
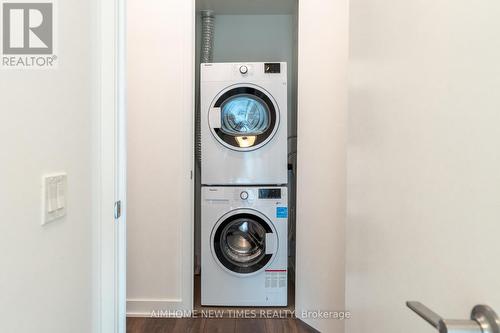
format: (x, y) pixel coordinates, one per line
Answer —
(53, 197)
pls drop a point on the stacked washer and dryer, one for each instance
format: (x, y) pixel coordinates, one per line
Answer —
(244, 203)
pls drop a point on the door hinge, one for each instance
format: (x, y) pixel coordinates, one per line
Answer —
(118, 209)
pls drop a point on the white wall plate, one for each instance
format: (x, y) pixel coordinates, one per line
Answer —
(54, 188)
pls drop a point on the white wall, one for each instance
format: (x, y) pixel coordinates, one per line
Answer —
(160, 155)
(424, 161)
(321, 183)
(46, 279)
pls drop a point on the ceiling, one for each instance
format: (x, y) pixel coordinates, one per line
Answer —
(248, 7)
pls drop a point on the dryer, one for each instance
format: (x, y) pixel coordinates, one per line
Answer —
(244, 246)
(243, 123)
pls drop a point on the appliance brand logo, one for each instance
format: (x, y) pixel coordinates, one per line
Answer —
(28, 34)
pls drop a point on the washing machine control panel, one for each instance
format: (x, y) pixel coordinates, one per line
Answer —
(270, 193)
(245, 196)
(261, 194)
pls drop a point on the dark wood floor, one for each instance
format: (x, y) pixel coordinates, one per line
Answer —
(225, 325)
(226, 321)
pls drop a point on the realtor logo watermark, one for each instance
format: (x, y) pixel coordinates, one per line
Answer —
(28, 32)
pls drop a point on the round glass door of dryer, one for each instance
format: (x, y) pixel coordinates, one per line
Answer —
(240, 243)
(244, 118)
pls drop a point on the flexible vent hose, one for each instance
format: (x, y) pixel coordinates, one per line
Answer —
(207, 35)
(206, 55)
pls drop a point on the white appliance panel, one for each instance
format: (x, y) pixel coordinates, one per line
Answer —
(265, 287)
(223, 164)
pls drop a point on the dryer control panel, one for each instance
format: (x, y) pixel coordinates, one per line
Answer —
(244, 72)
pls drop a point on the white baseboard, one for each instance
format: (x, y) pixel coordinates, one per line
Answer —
(150, 307)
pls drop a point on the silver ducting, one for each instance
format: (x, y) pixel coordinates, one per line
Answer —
(207, 35)
(206, 55)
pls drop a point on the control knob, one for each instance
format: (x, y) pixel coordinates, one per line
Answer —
(243, 69)
(244, 195)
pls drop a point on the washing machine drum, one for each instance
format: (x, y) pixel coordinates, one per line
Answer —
(242, 243)
(244, 118)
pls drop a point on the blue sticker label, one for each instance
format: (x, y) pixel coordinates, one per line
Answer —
(282, 212)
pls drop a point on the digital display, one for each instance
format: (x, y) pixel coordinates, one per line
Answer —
(270, 193)
(272, 67)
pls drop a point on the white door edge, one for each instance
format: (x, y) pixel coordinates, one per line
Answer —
(111, 169)
(111, 246)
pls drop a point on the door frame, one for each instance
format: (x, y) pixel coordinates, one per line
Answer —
(110, 288)
(110, 170)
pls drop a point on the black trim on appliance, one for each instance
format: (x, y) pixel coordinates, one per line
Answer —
(269, 193)
(222, 258)
(272, 67)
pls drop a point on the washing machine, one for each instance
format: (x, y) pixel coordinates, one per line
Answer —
(243, 123)
(244, 246)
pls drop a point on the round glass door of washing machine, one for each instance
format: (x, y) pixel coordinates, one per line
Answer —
(244, 117)
(244, 242)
